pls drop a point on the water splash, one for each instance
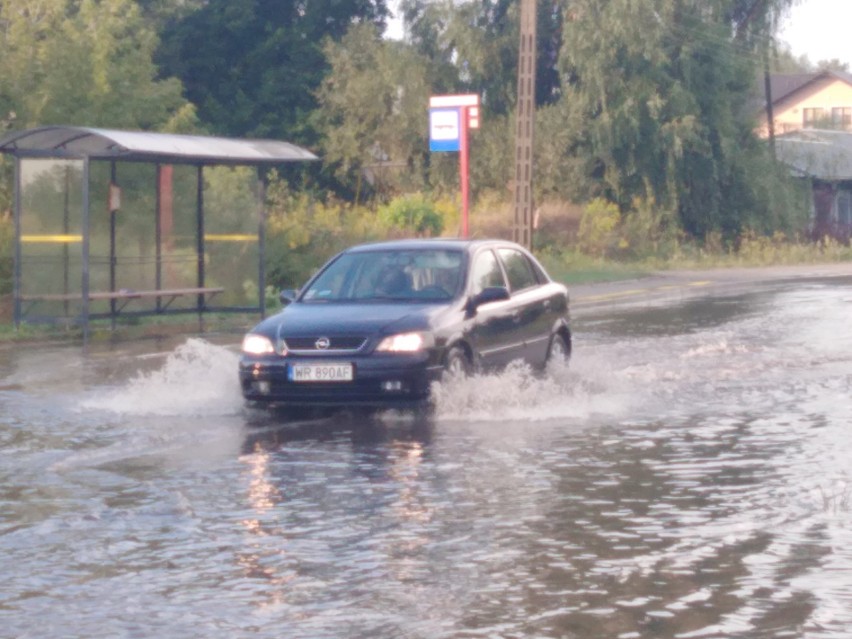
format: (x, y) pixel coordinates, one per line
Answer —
(582, 390)
(197, 378)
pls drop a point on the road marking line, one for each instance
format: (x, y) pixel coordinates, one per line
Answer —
(607, 296)
(639, 291)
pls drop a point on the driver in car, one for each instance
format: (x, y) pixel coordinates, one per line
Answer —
(393, 282)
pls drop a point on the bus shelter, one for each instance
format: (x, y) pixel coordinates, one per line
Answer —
(112, 223)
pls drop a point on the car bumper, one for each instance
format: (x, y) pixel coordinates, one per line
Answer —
(399, 381)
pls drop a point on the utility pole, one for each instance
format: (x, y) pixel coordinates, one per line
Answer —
(525, 124)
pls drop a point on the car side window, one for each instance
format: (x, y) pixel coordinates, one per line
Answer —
(518, 269)
(486, 272)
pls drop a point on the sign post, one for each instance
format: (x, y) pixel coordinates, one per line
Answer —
(450, 119)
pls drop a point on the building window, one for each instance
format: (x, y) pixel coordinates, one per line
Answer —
(813, 117)
(841, 118)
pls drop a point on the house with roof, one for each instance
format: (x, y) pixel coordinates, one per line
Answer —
(812, 117)
(819, 100)
(823, 157)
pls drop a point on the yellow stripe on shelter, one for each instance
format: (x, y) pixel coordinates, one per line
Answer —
(51, 239)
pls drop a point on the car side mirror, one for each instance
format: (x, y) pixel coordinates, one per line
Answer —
(288, 295)
(488, 295)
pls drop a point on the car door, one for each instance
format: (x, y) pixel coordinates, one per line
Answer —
(530, 305)
(493, 329)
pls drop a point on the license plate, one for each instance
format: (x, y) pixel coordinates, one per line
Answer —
(325, 372)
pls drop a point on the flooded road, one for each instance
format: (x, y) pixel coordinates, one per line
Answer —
(689, 475)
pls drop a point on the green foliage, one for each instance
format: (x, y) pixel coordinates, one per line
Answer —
(749, 250)
(371, 112)
(229, 199)
(754, 248)
(7, 238)
(563, 167)
(302, 233)
(598, 225)
(412, 215)
(641, 103)
(449, 208)
(252, 68)
(648, 231)
(491, 147)
(575, 267)
(657, 107)
(761, 249)
(271, 300)
(86, 62)
(473, 47)
(7, 172)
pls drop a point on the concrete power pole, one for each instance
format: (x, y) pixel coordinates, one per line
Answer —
(525, 124)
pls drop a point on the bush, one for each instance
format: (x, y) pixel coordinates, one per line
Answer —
(302, 233)
(648, 232)
(413, 215)
(597, 234)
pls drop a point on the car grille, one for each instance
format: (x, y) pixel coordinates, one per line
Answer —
(340, 344)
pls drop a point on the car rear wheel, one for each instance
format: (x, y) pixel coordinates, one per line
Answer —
(457, 363)
(559, 351)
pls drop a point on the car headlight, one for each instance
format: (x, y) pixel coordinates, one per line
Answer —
(255, 344)
(406, 343)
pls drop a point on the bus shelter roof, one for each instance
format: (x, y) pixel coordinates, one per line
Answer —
(144, 146)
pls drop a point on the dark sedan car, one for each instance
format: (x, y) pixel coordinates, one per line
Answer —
(379, 323)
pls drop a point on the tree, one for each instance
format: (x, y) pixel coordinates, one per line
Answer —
(161, 12)
(657, 106)
(252, 66)
(86, 62)
(372, 110)
(82, 62)
(474, 47)
(832, 65)
(785, 61)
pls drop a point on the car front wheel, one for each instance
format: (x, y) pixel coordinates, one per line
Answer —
(559, 351)
(457, 363)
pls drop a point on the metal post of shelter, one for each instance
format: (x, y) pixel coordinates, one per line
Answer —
(84, 284)
(158, 232)
(261, 239)
(16, 276)
(66, 229)
(113, 180)
(199, 203)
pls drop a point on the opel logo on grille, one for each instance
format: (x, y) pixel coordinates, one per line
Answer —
(322, 343)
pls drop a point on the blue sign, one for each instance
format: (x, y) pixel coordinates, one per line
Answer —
(445, 129)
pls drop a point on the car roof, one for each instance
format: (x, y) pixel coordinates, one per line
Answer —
(440, 243)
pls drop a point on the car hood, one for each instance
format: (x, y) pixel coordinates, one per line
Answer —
(305, 320)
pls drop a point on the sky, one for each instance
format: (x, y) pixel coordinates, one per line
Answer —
(819, 29)
(394, 28)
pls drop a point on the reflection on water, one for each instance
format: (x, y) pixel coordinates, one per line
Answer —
(687, 476)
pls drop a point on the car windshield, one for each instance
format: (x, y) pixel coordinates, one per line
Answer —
(398, 275)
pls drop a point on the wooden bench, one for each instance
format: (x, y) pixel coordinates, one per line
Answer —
(126, 295)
